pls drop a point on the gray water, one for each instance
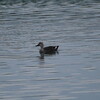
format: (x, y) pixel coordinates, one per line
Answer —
(73, 74)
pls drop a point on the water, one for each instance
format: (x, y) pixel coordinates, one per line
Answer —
(73, 74)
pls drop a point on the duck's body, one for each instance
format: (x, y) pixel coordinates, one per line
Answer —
(50, 49)
(47, 50)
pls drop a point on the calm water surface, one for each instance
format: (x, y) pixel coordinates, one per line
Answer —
(73, 74)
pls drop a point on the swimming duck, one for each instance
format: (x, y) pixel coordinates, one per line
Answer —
(48, 49)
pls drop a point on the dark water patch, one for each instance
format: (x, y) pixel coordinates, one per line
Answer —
(43, 3)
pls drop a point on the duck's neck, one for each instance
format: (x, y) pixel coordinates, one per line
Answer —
(42, 46)
(42, 49)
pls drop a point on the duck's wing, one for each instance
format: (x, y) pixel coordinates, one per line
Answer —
(50, 49)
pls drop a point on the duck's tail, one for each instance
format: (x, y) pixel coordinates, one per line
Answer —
(56, 48)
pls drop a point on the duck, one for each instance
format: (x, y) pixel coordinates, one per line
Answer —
(48, 49)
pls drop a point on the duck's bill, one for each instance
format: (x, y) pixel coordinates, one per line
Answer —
(37, 45)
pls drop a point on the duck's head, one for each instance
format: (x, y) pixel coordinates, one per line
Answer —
(40, 44)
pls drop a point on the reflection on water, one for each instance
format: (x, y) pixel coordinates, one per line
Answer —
(74, 73)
